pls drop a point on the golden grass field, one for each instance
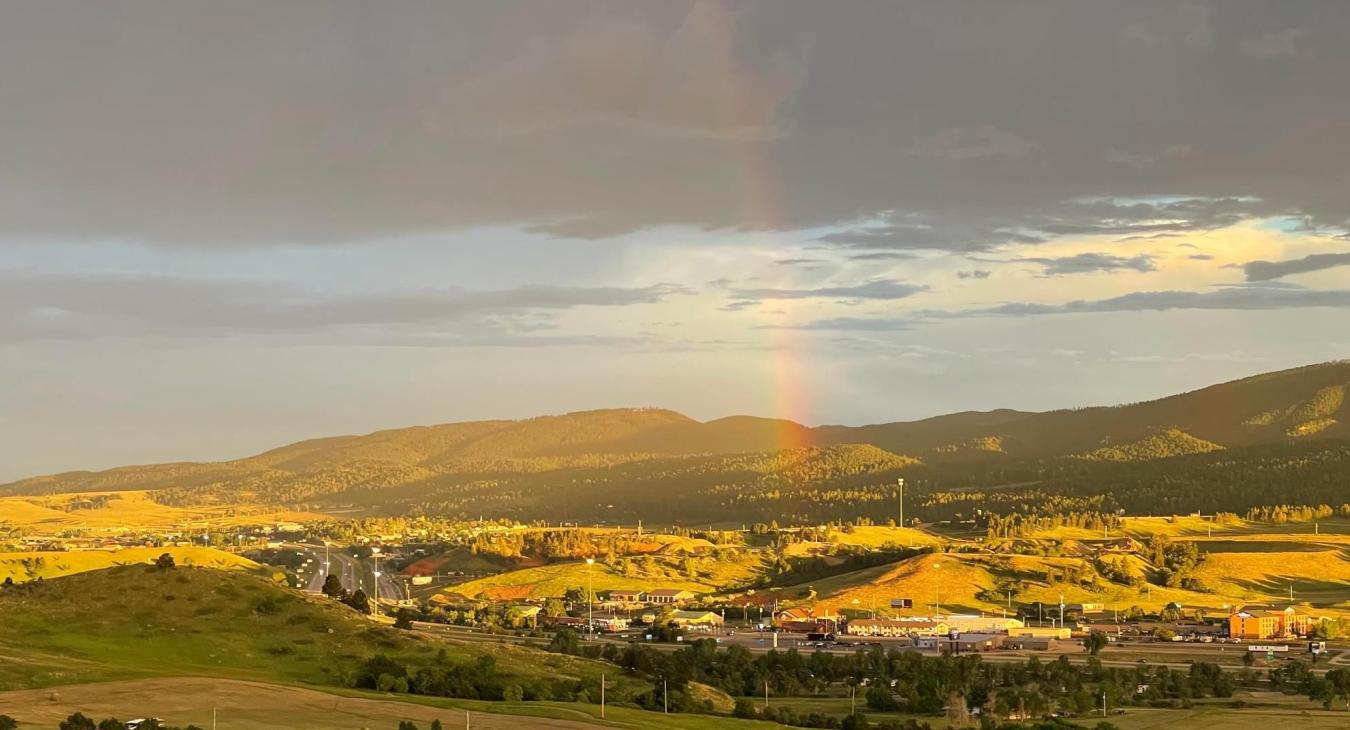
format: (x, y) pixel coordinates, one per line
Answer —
(47, 565)
(556, 579)
(131, 510)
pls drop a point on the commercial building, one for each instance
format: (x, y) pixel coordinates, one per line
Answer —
(669, 595)
(894, 627)
(1269, 624)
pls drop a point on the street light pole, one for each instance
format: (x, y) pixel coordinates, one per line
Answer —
(376, 572)
(900, 485)
(590, 600)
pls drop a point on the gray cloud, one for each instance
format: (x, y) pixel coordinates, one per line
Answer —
(1089, 262)
(1241, 298)
(879, 289)
(1273, 44)
(798, 262)
(258, 124)
(976, 274)
(1233, 298)
(881, 256)
(83, 306)
(1268, 270)
(846, 324)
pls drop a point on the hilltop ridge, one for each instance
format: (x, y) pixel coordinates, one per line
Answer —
(596, 459)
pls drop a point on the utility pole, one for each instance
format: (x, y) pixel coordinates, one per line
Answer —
(1103, 703)
(853, 700)
(602, 695)
(665, 697)
(766, 694)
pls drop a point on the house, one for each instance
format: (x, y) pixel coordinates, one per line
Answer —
(669, 595)
(626, 596)
(894, 628)
(707, 619)
(1268, 624)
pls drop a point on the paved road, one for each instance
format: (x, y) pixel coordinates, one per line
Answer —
(353, 572)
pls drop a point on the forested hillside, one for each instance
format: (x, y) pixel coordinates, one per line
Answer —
(1278, 437)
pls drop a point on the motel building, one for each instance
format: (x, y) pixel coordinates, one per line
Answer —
(893, 628)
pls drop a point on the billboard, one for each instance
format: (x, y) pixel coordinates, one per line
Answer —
(902, 603)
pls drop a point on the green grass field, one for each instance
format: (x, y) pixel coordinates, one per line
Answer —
(240, 705)
(138, 621)
(107, 642)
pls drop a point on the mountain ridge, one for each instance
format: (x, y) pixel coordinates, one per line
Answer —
(1289, 405)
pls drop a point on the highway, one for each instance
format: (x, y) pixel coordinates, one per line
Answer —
(353, 572)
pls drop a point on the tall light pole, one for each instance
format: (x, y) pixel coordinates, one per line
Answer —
(900, 486)
(590, 599)
(376, 605)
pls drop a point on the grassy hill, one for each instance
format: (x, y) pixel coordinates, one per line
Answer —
(22, 567)
(139, 621)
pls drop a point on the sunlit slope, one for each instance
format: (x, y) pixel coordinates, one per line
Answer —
(1299, 403)
(114, 512)
(28, 566)
(614, 459)
(699, 574)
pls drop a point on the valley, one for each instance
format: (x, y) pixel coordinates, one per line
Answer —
(505, 566)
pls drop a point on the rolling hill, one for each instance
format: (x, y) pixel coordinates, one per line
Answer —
(613, 464)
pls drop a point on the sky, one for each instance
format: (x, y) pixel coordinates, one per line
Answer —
(228, 226)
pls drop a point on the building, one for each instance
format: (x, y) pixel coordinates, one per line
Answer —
(669, 595)
(987, 624)
(894, 628)
(808, 620)
(708, 619)
(1269, 624)
(964, 643)
(625, 596)
(1040, 632)
(609, 623)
